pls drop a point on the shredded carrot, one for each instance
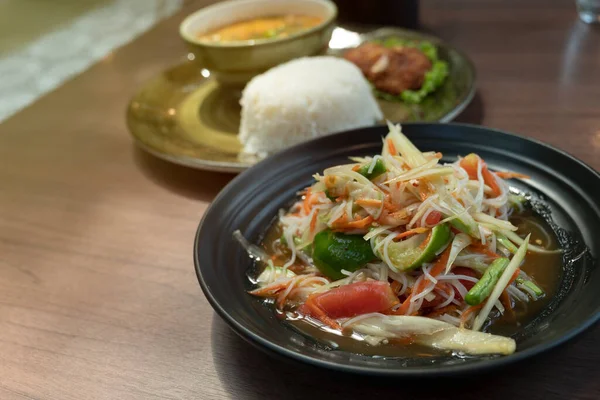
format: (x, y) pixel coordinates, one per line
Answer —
(368, 202)
(423, 191)
(441, 262)
(388, 205)
(466, 315)
(510, 175)
(396, 286)
(438, 155)
(356, 168)
(307, 198)
(343, 223)
(313, 222)
(411, 232)
(391, 147)
(361, 223)
(490, 180)
(505, 299)
(514, 276)
(441, 311)
(437, 268)
(403, 309)
(481, 249)
(400, 214)
(340, 221)
(319, 314)
(280, 301)
(269, 290)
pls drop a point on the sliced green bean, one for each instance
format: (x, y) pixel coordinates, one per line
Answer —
(503, 240)
(484, 287)
(539, 292)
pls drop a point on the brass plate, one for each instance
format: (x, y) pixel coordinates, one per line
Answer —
(184, 116)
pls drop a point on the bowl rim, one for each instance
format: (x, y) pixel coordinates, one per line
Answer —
(414, 372)
(190, 38)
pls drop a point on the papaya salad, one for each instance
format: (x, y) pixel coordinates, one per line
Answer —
(401, 248)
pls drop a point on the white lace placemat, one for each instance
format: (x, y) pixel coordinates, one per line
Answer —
(29, 72)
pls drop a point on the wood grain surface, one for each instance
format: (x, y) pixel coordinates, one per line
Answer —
(98, 296)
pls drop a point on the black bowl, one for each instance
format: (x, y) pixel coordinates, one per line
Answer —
(251, 201)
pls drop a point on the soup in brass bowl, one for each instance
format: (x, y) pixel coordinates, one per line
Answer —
(272, 27)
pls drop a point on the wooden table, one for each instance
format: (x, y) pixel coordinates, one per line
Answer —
(98, 297)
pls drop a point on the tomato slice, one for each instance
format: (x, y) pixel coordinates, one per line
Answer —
(433, 218)
(351, 300)
(470, 164)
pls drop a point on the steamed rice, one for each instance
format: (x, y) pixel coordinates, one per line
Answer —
(303, 99)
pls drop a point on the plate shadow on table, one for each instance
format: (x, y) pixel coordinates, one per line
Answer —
(188, 182)
(473, 113)
(248, 373)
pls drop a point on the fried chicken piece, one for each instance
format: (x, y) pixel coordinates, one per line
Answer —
(391, 70)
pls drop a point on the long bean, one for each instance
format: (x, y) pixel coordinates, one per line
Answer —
(484, 287)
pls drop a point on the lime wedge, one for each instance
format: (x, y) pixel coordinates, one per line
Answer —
(334, 251)
(411, 253)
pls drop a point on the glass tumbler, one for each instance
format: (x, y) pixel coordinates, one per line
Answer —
(589, 11)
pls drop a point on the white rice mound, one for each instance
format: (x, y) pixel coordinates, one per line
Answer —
(302, 99)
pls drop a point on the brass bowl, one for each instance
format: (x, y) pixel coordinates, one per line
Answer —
(235, 63)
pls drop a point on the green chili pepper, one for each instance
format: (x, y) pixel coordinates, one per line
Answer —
(378, 169)
(484, 287)
(334, 251)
